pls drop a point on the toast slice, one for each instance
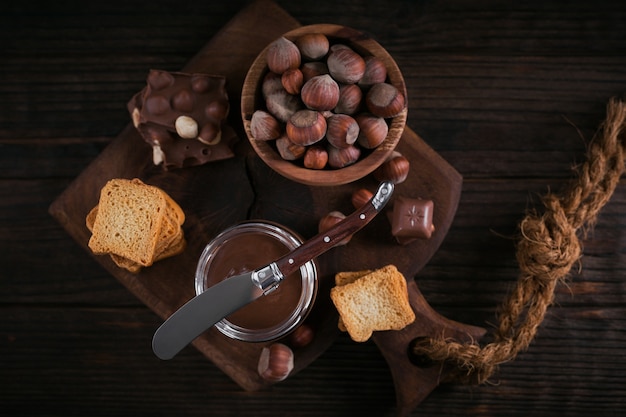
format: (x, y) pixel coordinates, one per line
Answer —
(177, 247)
(170, 234)
(135, 223)
(374, 301)
(343, 278)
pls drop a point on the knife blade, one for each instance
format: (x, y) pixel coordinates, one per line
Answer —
(204, 310)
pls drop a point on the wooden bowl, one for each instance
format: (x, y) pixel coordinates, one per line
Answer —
(252, 99)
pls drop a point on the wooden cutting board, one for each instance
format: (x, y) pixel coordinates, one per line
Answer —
(218, 195)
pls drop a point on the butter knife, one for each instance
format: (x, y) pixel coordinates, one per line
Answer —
(204, 310)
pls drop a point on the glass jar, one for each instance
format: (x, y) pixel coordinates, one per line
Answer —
(246, 247)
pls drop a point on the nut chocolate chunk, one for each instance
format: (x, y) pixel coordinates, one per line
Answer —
(183, 117)
(412, 219)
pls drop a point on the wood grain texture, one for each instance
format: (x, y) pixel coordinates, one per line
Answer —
(507, 93)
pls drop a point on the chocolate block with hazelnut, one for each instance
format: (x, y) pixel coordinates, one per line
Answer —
(183, 117)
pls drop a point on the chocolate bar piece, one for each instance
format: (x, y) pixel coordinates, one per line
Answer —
(183, 117)
(411, 219)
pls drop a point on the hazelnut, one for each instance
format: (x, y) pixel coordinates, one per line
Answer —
(182, 101)
(160, 79)
(313, 46)
(345, 65)
(210, 134)
(360, 197)
(217, 109)
(375, 72)
(186, 127)
(320, 93)
(350, 97)
(288, 150)
(272, 83)
(282, 104)
(292, 80)
(394, 169)
(275, 362)
(302, 336)
(282, 54)
(305, 127)
(312, 69)
(315, 157)
(329, 221)
(339, 158)
(157, 104)
(372, 130)
(384, 100)
(158, 155)
(264, 126)
(342, 130)
(200, 83)
(136, 116)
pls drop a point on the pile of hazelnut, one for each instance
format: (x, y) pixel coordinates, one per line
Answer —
(325, 104)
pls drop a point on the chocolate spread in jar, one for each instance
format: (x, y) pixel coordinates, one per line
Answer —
(247, 252)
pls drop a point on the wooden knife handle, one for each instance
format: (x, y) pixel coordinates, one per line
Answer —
(322, 242)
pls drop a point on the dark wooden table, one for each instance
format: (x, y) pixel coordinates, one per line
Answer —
(509, 94)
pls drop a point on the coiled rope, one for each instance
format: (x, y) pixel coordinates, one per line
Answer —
(547, 249)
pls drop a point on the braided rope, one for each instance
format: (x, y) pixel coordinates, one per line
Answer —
(547, 249)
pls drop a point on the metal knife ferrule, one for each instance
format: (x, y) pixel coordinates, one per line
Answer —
(382, 195)
(267, 278)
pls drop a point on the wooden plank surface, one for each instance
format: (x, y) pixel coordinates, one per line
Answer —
(509, 94)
